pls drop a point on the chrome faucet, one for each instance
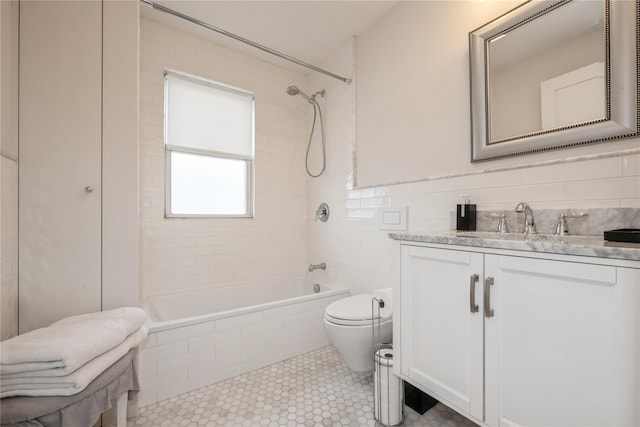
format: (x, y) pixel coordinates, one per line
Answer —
(529, 222)
(321, 266)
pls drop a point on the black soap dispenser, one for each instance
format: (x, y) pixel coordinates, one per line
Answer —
(466, 215)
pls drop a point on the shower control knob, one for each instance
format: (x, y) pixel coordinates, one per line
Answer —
(322, 213)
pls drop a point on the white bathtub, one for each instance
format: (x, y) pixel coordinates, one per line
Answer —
(199, 338)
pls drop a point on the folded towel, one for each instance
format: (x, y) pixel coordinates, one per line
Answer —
(69, 343)
(67, 385)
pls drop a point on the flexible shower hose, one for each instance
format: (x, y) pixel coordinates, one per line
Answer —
(313, 125)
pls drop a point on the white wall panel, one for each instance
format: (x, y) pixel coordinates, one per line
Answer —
(60, 156)
(120, 230)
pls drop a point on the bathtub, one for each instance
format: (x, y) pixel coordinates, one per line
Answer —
(203, 337)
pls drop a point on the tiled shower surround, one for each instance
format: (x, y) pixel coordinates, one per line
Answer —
(181, 254)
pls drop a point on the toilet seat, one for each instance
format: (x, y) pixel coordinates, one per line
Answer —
(352, 311)
(349, 322)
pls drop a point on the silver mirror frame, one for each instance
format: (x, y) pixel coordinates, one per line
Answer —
(621, 77)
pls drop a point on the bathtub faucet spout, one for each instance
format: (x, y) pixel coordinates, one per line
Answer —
(321, 266)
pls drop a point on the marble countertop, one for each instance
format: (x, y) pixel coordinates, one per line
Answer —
(594, 246)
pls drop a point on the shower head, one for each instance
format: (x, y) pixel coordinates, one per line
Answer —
(293, 90)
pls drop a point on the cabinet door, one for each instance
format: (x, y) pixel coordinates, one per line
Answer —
(441, 338)
(557, 347)
(60, 156)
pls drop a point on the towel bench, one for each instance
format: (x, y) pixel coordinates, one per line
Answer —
(81, 409)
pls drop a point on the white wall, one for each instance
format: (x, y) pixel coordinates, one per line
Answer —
(359, 255)
(413, 93)
(182, 254)
(9, 169)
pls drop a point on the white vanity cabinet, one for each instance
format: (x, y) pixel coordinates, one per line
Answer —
(441, 340)
(554, 341)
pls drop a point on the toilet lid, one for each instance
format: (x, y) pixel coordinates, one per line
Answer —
(355, 308)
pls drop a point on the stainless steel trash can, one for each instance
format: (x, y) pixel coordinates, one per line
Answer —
(387, 390)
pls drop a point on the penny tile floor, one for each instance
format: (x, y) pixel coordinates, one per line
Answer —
(314, 389)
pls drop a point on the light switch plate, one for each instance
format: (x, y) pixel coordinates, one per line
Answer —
(392, 218)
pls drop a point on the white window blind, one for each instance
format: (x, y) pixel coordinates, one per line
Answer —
(207, 116)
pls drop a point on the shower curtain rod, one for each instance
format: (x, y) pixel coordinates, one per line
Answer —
(243, 40)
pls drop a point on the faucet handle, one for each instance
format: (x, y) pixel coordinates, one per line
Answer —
(502, 227)
(561, 226)
(322, 213)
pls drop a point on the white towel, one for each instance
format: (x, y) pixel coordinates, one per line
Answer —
(69, 343)
(67, 385)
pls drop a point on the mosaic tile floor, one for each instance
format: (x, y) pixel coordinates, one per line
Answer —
(314, 389)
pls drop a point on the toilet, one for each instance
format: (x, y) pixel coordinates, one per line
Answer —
(348, 322)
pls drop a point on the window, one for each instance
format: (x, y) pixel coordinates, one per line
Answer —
(209, 146)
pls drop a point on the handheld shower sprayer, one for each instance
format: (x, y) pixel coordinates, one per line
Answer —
(294, 90)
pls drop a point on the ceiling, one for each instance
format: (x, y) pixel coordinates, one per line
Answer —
(304, 29)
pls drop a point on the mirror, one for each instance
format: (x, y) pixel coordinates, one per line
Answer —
(553, 74)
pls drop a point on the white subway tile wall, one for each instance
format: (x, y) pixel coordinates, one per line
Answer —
(175, 361)
(631, 166)
(360, 256)
(184, 254)
(9, 249)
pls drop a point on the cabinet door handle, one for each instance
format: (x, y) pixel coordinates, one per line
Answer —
(488, 311)
(472, 293)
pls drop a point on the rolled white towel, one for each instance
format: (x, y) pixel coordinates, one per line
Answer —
(69, 343)
(32, 384)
